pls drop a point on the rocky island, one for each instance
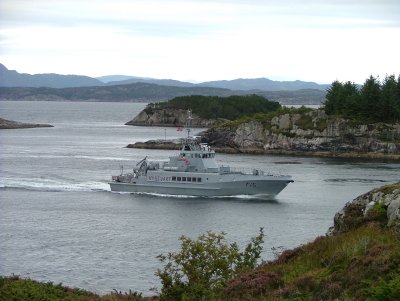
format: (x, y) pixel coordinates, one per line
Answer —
(353, 123)
(307, 132)
(304, 132)
(169, 118)
(9, 124)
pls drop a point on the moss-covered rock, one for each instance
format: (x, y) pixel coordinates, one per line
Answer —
(381, 205)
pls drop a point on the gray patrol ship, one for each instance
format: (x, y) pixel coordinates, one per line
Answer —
(195, 172)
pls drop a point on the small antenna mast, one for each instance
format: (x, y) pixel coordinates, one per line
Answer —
(189, 122)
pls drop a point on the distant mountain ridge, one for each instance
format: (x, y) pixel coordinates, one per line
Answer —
(11, 78)
(263, 84)
(161, 82)
(56, 87)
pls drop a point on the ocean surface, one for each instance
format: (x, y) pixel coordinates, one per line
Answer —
(59, 221)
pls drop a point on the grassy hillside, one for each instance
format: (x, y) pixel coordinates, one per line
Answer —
(18, 289)
(362, 264)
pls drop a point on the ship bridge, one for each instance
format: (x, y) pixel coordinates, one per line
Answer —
(193, 157)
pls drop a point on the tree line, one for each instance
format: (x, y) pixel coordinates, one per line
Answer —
(231, 107)
(375, 101)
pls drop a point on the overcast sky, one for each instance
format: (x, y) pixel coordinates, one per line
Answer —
(202, 40)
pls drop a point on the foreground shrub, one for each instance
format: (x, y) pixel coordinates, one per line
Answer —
(203, 267)
(386, 290)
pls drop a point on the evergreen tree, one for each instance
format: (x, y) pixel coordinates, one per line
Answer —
(390, 99)
(351, 100)
(374, 102)
(334, 98)
(371, 100)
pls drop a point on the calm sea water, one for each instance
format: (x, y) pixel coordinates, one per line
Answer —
(59, 221)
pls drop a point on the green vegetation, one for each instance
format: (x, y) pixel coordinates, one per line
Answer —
(202, 268)
(265, 118)
(347, 266)
(18, 289)
(375, 101)
(305, 122)
(213, 107)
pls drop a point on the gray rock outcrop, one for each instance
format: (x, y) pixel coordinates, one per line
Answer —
(168, 117)
(381, 205)
(308, 132)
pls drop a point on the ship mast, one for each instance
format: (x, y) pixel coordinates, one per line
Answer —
(189, 123)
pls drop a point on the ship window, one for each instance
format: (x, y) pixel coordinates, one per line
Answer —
(193, 179)
(173, 178)
(178, 178)
(198, 179)
(183, 179)
(189, 179)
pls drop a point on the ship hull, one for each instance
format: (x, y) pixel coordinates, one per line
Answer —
(267, 187)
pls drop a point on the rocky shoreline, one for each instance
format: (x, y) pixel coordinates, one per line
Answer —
(293, 133)
(173, 145)
(9, 124)
(385, 199)
(169, 118)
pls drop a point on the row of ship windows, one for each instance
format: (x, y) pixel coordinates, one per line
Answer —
(200, 155)
(186, 179)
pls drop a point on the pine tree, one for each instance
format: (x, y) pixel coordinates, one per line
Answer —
(371, 99)
(390, 99)
(334, 98)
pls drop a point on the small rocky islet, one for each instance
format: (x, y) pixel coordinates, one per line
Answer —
(9, 124)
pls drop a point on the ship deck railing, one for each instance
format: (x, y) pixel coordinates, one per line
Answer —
(246, 171)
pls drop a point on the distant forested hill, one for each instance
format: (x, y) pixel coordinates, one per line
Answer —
(133, 92)
(214, 107)
(142, 92)
(264, 84)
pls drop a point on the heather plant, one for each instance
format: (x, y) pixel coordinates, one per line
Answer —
(252, 284)
(203, 267)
